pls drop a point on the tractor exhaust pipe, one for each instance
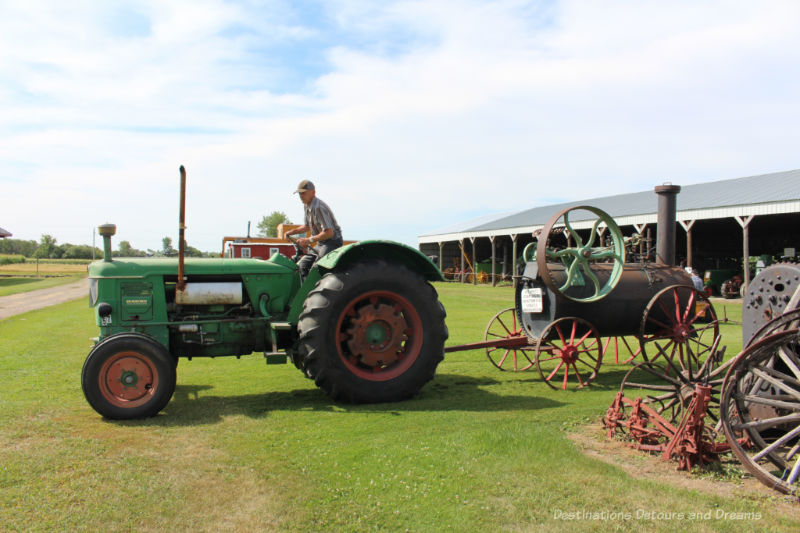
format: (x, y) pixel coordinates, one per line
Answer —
(181, 229)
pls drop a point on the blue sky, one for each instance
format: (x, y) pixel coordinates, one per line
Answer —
(409, 116)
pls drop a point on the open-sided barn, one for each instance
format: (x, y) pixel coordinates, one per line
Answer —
(722, 224)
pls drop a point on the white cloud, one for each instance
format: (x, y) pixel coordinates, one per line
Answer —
(416, 114)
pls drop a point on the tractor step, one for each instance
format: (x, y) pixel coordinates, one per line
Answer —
(275, 358)
(281, 325)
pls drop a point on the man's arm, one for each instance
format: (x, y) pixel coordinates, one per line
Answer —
(298, 229)
(322, 236)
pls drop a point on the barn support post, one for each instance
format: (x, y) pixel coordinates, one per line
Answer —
(463, 258)
(505, 260)
(514, 278)
(744, 222)
(642, 242)
(474, 262)
(494, 272)
(687, 226)
(441, 256)
(601, 233)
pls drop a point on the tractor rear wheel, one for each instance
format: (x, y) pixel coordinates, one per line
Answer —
(372, 332)
(128, 376)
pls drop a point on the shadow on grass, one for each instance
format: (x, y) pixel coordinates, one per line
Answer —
(13, 282)
(191, 404)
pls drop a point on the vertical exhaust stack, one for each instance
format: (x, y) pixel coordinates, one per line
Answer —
(181, 229)
(107, 231)
(665, 232)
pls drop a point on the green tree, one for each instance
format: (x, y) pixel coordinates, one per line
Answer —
(47, 246)
(126, 250)
(166, 246)
(268, 227)
(18, 246)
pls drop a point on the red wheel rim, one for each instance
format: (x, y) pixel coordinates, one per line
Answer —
(128, 379)
(379, 335)
(504, 326)
(571, 353)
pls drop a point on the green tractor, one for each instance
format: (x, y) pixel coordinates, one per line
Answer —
(366, 325)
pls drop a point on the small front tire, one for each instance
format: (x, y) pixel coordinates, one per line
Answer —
(128, 376)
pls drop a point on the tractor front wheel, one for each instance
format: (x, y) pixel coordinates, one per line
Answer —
(372, 332)
(128, 376)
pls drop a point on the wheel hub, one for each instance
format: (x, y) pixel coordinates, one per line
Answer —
(128, 378)
(376, 335)
(681, 332)
(569, 354)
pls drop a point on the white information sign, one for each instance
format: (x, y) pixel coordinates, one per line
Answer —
(532, 300)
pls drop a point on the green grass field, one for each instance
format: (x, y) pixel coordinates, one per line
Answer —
(247, 447)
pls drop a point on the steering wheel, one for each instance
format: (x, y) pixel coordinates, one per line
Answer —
(298, 251)
(565, 270)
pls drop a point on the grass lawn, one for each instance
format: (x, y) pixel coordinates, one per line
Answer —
(247, 447)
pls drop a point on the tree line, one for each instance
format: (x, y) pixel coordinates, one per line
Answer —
(48, 248)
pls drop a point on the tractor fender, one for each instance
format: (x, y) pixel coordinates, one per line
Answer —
(393, 252)
(390, 251)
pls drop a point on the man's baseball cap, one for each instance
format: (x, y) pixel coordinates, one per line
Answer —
(305, 185)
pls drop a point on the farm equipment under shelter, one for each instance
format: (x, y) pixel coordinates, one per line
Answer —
(570, 297)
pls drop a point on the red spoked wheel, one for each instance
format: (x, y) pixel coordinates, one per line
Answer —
(504, 325)
(569, 350)
(380, 335)
(680, 326)
(622, 347)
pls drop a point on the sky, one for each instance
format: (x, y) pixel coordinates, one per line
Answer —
(409, 116)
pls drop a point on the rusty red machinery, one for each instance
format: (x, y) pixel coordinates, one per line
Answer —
(680, 399)
(749, 405)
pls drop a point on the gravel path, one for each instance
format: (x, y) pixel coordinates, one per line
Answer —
(28, 301)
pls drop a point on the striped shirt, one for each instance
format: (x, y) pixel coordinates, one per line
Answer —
(319, 217)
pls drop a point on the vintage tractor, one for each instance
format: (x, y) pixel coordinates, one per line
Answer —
(366, 325)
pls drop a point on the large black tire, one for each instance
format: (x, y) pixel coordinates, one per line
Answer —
(372, 332)
(128, 376)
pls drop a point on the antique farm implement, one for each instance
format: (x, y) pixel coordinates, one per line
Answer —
(576, 288)
(752, 401)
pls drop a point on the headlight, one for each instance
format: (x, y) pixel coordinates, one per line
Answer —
(92, 292)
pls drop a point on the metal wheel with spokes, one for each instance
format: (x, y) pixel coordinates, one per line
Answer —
(569, 350)
(590, 270)
(681, 326)
(761, 397)
(504, 325)
(622, 347)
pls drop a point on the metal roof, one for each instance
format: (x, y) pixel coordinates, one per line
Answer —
(4, 233)
(765, 194)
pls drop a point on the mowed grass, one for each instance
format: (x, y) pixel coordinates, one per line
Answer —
(244, 446)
